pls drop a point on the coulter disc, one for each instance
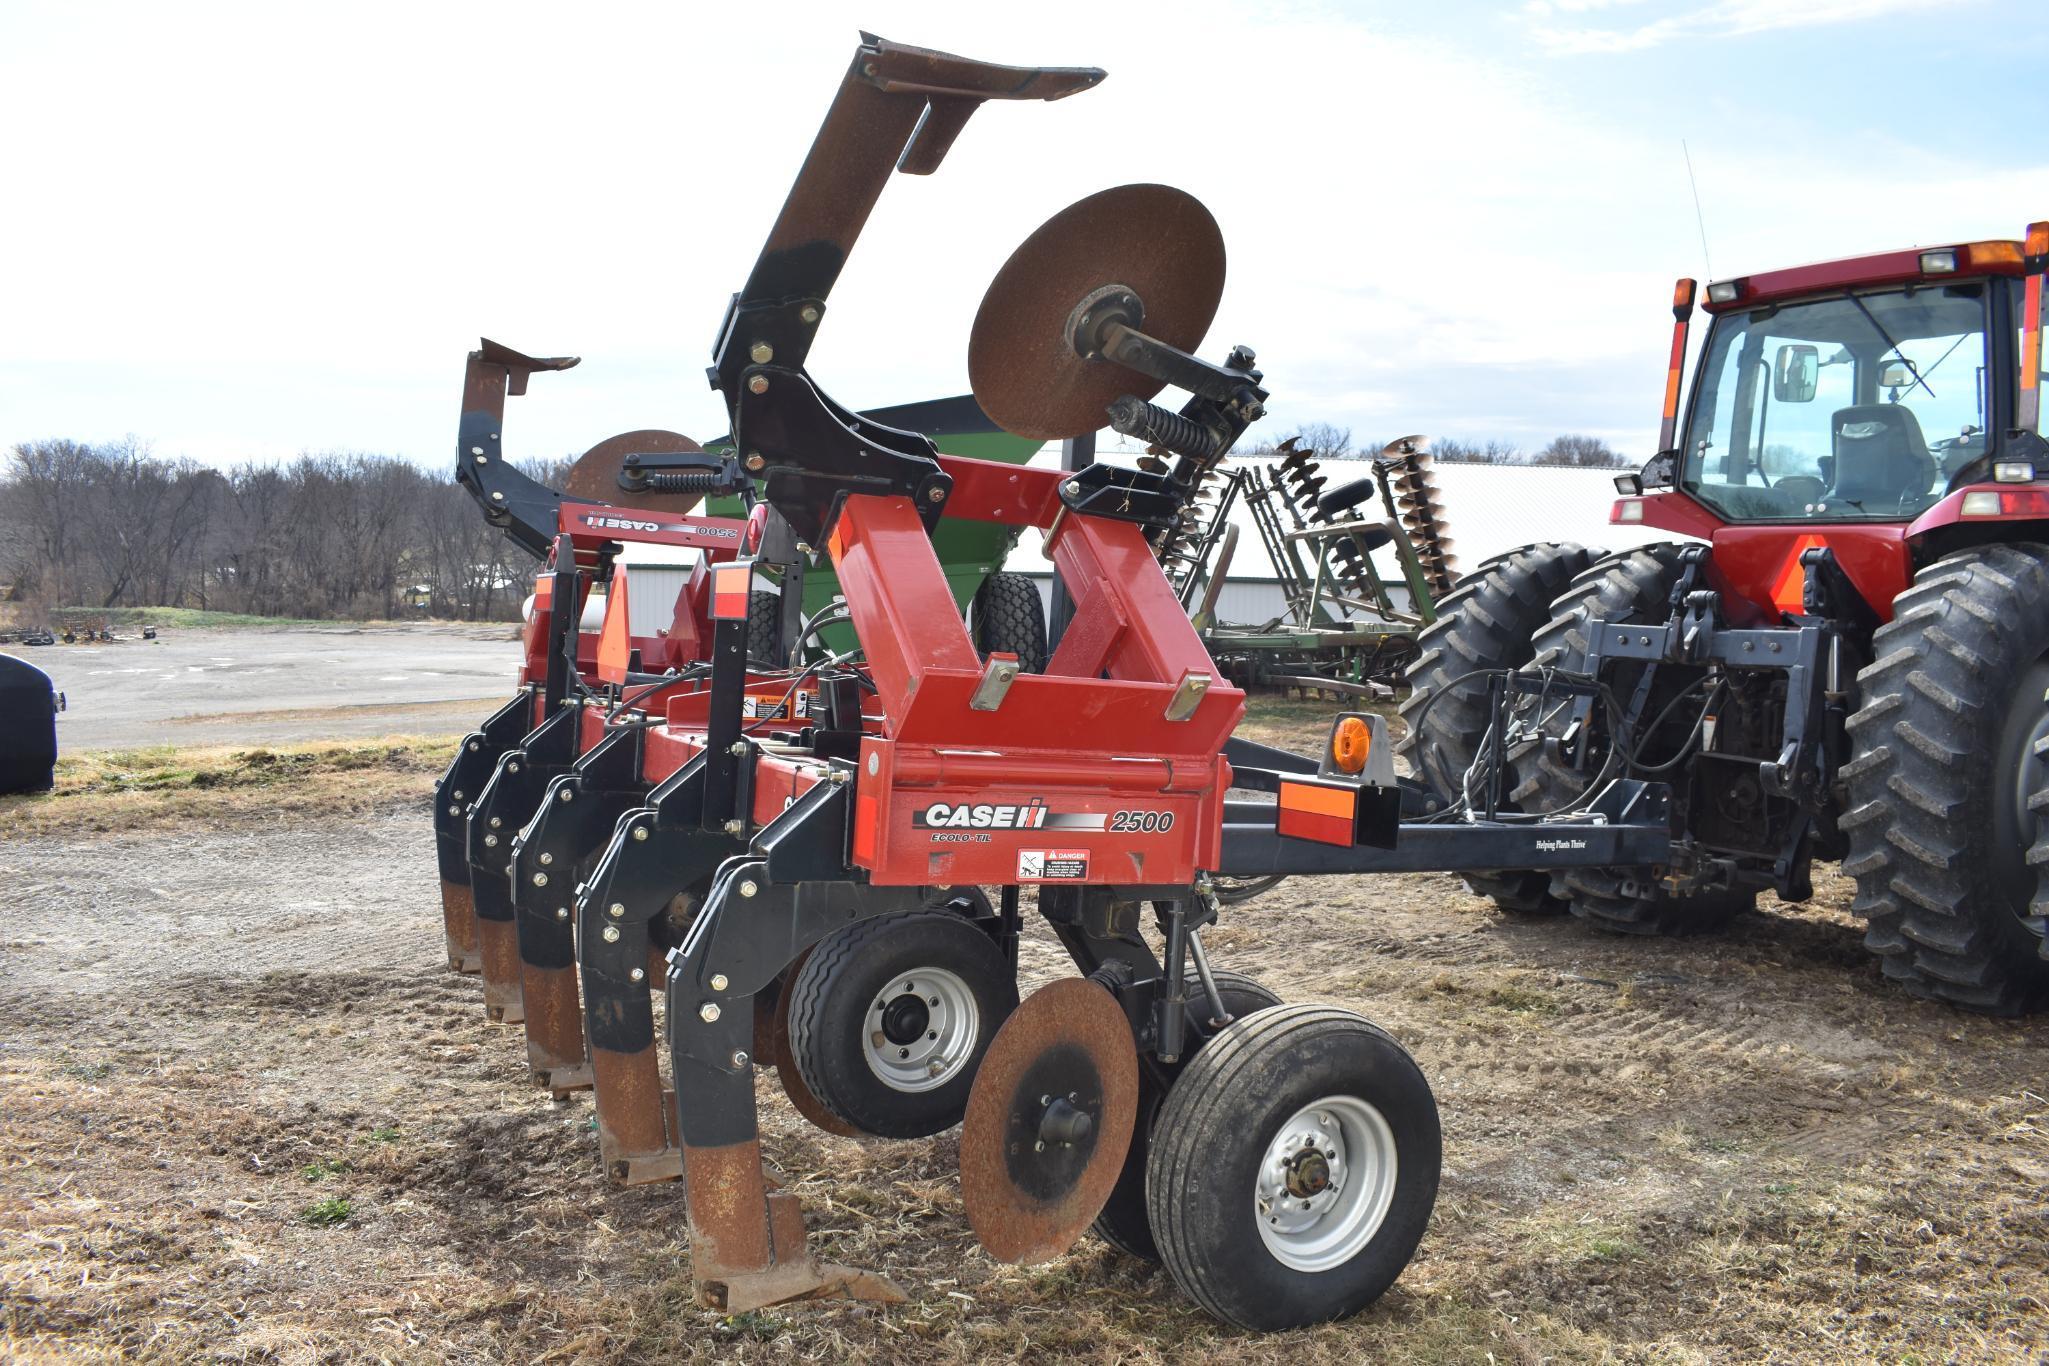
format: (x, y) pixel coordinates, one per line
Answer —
(1048, 1122)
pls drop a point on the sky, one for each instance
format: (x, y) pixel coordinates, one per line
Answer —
(242, 233)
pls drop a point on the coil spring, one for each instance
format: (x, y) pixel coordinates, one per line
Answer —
(710, 481)
(1156, 426)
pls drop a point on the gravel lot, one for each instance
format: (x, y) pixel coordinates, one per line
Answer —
(254, 685)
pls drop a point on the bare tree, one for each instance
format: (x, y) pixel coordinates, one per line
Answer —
(1584, 452)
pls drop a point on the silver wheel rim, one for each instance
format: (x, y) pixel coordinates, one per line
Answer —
(1325, 1184)
(933, 1053)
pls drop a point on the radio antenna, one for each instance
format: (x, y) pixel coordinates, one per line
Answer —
(1699, 221)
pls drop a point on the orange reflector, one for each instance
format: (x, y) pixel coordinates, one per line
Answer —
(1351, 741)
(615, 642)
(1983, 255)
(544, 591)
(1324, 812)
(731, 587)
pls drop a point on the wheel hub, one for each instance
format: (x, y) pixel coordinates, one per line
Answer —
(1325, 1183)
(921, 1030)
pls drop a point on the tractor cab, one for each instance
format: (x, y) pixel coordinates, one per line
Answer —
(1884, 406)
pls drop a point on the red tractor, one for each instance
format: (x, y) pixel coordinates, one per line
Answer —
(1847, 660)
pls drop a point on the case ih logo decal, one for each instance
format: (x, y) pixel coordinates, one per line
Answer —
(607, 522)
(1030, 815)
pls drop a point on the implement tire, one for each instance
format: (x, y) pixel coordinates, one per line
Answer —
(1948, 810)
(1007, 615)
(1124, 1223)
(1633, 586)
(1489, 620)
(1293, 1169)
(765, 629)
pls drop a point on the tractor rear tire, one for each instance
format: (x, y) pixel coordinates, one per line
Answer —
(1008, 615)
(1632, 586)
(1489, 620)
(1124, 1223)
(1948, 807)
(891, 1015)
(1295, 1165)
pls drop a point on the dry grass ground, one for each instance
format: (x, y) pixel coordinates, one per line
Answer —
(246, 1115)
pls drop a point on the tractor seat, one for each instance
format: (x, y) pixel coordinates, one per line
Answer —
(1342, 499)
(1880, 454)
(1341, 504)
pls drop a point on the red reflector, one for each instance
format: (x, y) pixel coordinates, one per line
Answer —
(731, 586)
(2024, 502)
(865, 818)
(757, 527)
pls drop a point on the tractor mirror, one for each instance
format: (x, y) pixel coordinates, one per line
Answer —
(1795, 372)
(1894, 376)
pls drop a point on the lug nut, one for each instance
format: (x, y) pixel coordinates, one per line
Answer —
(748, 887)
(758, 385)
(611, 934)
(640, 832)
(708, 1012)
(540, 879)
(547, 860)
(637, 975)
(615, 910)
(718, 981)
(761, 353)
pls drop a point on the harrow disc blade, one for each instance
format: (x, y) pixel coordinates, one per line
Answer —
(594, 478)
(1049, 1121)
(1156, 241)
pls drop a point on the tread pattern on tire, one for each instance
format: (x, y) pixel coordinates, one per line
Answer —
(1009, 615)
(1919, 802)
(1629, 586)
(1489, 620)
(764, 628)
(1190, 1115)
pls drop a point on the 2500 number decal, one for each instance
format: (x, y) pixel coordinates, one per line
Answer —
(1143, 822)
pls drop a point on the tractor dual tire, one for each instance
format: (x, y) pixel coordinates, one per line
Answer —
(1232, 1151)
(1948, 797)
(1489, 620)
(1007, 614)
(1633, 586)
(891, 1015)
(1124, 1223)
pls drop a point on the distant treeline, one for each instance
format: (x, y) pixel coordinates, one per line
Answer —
(1337, 443)
(323, 536)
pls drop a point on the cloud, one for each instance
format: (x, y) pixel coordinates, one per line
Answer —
(1724, 19)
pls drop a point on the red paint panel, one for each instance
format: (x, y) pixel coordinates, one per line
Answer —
(1750, 561)
(902, 609)
(990, 491)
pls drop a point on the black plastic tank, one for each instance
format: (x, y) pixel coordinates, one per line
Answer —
(28, 727)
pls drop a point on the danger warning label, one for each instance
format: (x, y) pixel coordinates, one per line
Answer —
(755, 708)
(1052, 865)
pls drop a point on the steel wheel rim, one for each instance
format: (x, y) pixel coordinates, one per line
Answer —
(1343, 1145)
(947, 1017)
